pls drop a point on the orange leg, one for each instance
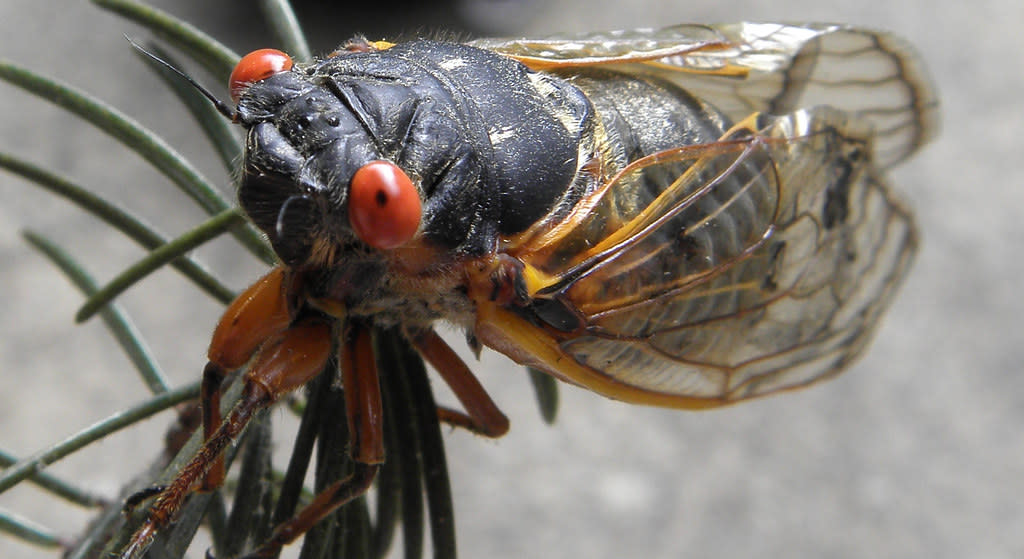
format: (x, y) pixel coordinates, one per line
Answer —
(289, 352)
(209, 401)
(365, 415)
(263, 310)
(482, 415)
(285, 362)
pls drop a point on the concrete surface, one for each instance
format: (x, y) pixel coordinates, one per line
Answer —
(915, 453)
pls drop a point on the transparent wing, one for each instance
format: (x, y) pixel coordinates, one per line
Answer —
(764, 67)
(608, 47)
(763, 264)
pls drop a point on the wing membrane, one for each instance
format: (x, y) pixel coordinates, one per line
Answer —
(629, 241)
(763, 265)
(756, 67)
(607, 47)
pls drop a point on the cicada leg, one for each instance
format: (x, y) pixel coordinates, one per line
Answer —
(285, 362)
(482, 415)
(288, 351)
(365, 416)
(365, 424)
(266, 308)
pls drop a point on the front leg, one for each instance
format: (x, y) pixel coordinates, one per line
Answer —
(263, 310)
(285, 362)
(366, 431)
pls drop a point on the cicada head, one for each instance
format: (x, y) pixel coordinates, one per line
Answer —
(304, 148)
(358, 152)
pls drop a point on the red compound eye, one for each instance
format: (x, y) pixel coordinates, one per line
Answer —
(255, 66)
(383, 205)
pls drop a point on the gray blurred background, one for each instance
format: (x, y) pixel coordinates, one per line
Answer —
(916, 452)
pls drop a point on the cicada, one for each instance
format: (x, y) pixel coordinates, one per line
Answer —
(686, 217)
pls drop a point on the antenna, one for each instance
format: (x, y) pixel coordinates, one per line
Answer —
(222, 107)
